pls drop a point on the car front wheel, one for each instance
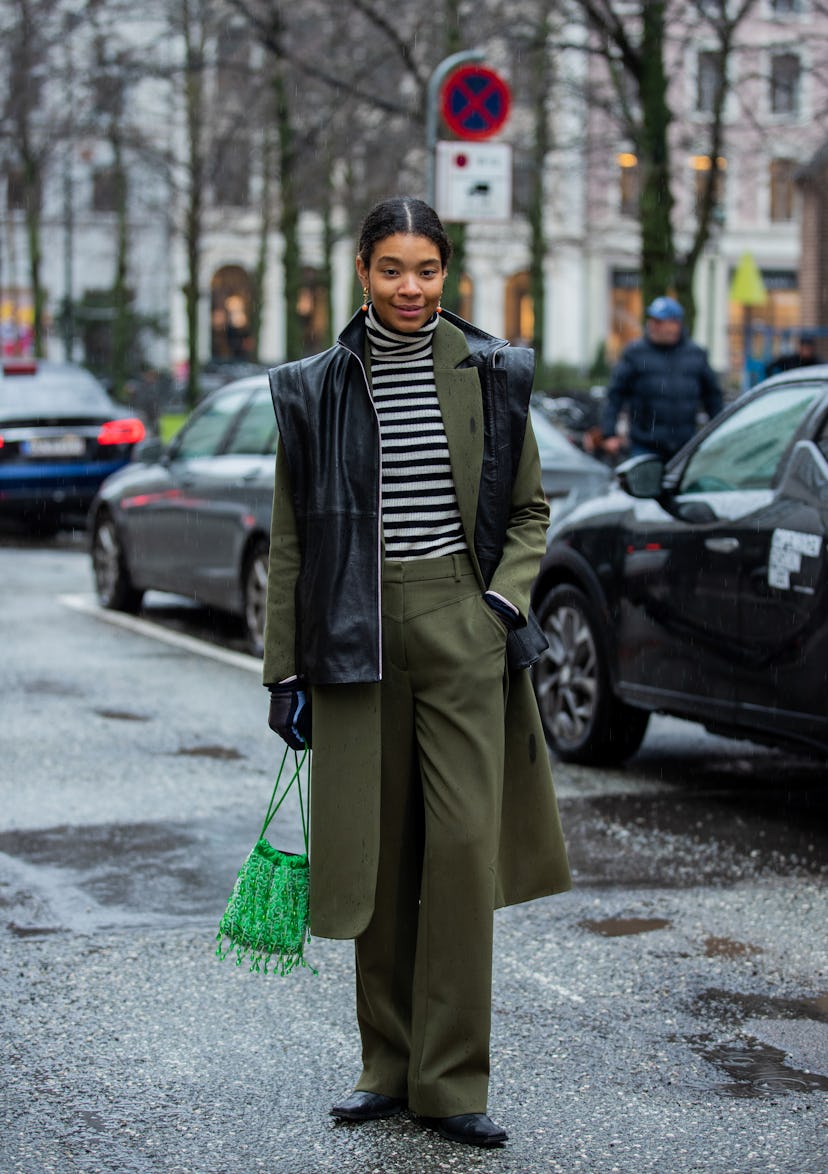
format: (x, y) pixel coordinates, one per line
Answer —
(254, 587)
(583, 720)
(113, 581)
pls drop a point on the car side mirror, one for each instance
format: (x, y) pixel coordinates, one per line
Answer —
(641, 476)
(697, 513)
(149, 451)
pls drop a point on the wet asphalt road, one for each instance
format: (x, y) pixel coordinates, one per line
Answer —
(669, 1014)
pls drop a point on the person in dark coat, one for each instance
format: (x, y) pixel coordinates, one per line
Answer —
(804, 356)
(409, 521)
(662, 381)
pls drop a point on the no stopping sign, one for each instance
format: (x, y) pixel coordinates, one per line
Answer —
(475, 102)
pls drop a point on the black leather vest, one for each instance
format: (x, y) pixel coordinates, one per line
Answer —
(330, 435)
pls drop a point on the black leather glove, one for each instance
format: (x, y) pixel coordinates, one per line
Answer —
(290, 714)
(505, 611)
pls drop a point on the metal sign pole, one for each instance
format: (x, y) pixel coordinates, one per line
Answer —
(435, 81)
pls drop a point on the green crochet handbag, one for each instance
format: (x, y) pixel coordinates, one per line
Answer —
(266, 919)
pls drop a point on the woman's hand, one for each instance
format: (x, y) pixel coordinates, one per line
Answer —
(290, 714)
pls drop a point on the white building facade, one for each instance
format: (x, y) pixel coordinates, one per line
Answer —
(777, 117)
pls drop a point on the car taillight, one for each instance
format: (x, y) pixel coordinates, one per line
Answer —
(12, 366)
(127, 431)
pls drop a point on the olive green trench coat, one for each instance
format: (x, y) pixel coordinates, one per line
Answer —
(345, 784)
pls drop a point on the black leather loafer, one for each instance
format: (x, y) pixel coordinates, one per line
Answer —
(367, 1106)
(469, 1128)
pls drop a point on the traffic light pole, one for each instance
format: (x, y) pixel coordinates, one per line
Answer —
(446, 66)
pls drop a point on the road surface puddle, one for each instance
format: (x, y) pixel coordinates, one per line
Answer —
(782, 1045)
(226, 753)
(621, 927)
(121, 715)
(47, 687)
(728, 948)
(758, 1070)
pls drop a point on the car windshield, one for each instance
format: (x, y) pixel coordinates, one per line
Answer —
(553, 446)
(255, 432)
(744, 451)
(202, 435)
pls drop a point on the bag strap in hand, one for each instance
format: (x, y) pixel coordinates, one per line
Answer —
(274, 804)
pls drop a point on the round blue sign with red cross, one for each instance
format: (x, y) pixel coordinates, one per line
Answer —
(475, 102)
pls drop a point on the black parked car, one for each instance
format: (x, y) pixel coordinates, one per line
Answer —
(60, 436)
(699, 590)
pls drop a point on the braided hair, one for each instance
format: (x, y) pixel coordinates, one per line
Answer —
(404, 214)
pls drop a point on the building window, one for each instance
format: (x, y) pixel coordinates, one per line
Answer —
(108, 93)
(520, 311)
(626, 311)
(105, 190)
(231, 292)
(524, 176)
(233, 66)
(231, 172)
(629, 183)
(708, 80)
(107, 82)
(787, 7)
(780, 315)
(702, 166)
(782, 189)
(17, 195)
(785, 83)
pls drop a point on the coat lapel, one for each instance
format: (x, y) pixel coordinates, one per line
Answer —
(461, 405)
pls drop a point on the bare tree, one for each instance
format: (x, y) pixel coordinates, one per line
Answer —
(32, 123)
(193, 20)
(633, 47)
(330, 100)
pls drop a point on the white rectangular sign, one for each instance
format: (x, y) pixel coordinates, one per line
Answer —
(474, 181)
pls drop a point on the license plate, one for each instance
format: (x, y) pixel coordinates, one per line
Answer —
(55, 446)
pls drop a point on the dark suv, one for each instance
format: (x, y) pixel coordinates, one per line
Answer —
(699, 590)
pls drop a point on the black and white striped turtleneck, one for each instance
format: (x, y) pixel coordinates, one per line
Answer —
(420, 517)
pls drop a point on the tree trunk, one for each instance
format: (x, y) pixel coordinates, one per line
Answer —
(456, 232)
(658, 267)
(194, 102)
(289, 216)
(31, 173)
(120, 295)
(328, 238)
(265, 225)
(23, 132)
(540, 149)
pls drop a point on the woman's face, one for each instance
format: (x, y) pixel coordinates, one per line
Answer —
(404, 280)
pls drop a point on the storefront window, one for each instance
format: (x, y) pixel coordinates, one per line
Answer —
(520, 311)
(626, 311)
(231, 302)
(764, 328)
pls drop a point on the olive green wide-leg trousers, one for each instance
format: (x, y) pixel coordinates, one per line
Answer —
(424, 963)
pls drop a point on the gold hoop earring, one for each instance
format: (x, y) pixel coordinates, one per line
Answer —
(365, 296)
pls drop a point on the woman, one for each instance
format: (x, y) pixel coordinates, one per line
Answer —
(408, 525)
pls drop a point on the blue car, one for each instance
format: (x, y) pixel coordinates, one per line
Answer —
(60, 436)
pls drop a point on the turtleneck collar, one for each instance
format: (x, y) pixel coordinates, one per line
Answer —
(388, 343)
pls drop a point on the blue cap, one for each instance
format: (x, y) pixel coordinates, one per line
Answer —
(663, 308)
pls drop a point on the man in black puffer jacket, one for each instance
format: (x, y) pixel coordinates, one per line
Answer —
(662, 380)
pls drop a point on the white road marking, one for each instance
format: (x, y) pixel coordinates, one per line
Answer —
(88, 604)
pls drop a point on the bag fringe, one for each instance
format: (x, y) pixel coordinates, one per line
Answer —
(266, 919)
